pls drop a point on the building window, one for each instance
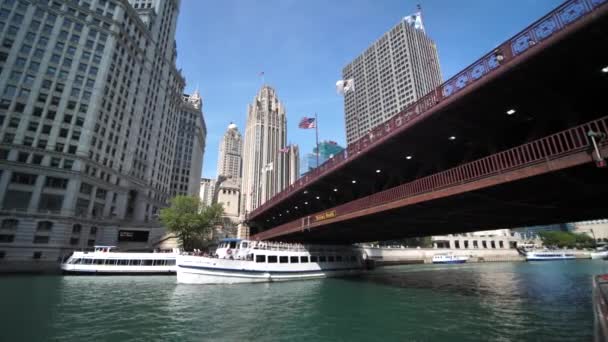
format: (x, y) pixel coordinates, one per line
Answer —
(74, 241)
(2, 254)
(37, 255)
(41, 239)
(10, 224)
(23, 178)
(44, 226)
(56, 182)
(93, 231)
(6, 238)
(76, 229)
(91, 243)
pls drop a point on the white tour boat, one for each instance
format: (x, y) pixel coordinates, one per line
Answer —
(447, 258)
(549, 255)
(600, 253)
(105, 261)
(243, 261)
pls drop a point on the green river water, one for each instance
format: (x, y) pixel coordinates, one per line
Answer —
(546, 301)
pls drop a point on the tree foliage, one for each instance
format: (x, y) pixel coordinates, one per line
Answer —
(563, 239)
(190, 220)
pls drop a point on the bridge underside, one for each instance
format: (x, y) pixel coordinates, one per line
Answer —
(568, 195)
(552, 87)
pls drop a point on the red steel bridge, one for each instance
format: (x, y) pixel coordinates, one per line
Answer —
(504, 143)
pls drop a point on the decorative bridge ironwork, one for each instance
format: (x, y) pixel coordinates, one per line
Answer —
(508, 54)
(559, 145)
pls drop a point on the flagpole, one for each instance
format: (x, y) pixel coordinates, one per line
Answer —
(317, 137)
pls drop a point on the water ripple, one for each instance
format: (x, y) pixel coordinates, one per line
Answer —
(471, 302)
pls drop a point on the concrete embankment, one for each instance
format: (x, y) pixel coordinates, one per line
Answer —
(402, 256)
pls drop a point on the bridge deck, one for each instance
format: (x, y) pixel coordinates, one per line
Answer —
(553, 84)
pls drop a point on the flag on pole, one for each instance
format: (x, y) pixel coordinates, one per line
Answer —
(307, 123)
(344, 86)
(415, 20)
(261, 74)
(284, 149)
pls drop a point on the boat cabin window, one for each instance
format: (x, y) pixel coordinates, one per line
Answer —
(339, 258)
(322, 258)
(146, 262)
(111, 262)
(244, 245)
(98, 261)
(293, 259)
(303, 259)
(272, 258)
(330, 258)
(283, 259)
(170, 262)
(260, 258)
(76, 261)
(314, 258)
(233, 244)
(123, 262)
(88, 261)
(135, 262)
(159, 262)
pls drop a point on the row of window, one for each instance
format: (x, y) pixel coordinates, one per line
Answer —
(303, 259)
(122, 262)
(43, 226)
(35, 255)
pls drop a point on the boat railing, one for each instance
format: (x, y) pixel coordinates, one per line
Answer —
(295, 247)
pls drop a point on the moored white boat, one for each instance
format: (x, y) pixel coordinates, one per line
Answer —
(600, 253)
(447, 258)
(243, 261)
(549, 255)
(105, 261)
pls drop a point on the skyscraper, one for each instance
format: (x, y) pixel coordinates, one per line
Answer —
(190, 147)
(230, 154)
(89, 116)
(393, 72)
(327, 149)
(266, 170)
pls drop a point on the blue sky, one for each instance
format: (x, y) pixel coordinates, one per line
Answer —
(303, 45)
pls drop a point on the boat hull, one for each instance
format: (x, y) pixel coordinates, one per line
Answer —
(190, 275)
(599, 255)
(450, 262)
(113, 270)
(203, 270)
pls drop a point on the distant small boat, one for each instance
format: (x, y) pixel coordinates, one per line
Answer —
(449, 259)
(599, 254)
(549, 255)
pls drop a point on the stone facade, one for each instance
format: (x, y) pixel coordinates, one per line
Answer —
(188, 161)
(89, 119)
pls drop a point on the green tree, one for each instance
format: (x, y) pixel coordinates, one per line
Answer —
(563, 239)
(190, 220)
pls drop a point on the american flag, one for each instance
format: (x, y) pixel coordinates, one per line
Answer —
(261, 73)
(284, 149)
(307, 123)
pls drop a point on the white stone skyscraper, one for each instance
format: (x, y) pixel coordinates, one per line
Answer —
(90, 100)
(266, 170)
(190, 148)
(393, 72)
(230, 154)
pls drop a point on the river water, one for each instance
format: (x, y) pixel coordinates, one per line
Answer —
(517, 301)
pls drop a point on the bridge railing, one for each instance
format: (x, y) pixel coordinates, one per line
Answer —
(551, 147)
(531, 37)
